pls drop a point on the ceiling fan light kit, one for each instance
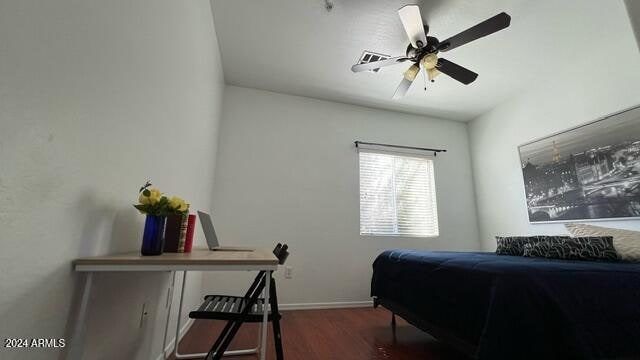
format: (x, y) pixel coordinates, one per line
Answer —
(412, 72)
(429, 61)
(423, 50)
(432, 73)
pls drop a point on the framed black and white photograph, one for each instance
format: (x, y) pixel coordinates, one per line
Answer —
(586, 173)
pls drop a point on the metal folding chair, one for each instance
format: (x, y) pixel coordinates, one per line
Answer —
(237, 310)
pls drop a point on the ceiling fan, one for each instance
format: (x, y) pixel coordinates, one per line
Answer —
(423, 50)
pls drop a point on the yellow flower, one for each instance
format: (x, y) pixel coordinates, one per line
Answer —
(174, 202)
(143, 199)
(178, 204)
(155, 196)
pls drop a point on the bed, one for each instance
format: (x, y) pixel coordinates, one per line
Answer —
(510, 307)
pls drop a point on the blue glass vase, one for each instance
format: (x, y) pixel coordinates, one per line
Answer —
(153, 237)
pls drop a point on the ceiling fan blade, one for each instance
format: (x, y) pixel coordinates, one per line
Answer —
(487, 27)
(412, 22)
(378, 64)
(402, 89)
(456, 71)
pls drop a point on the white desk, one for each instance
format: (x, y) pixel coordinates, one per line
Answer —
(197, 260)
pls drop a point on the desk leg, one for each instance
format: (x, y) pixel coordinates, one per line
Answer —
(166, 325)
(77, 337)
(175, 351)
(265, 317)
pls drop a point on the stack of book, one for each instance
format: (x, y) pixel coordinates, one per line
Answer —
(178, 235)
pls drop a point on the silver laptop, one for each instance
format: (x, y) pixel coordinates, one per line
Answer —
(212, 238)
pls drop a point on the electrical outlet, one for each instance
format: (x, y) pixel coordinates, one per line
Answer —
(288, 272)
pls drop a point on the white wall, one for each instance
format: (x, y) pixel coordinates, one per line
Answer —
(287, 171)
(95, 98)
(601, 83)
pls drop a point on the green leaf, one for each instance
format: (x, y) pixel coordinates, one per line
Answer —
(142, 208)
(145, 186)
(146, 192)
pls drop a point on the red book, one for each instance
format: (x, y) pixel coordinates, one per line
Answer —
(191, 229)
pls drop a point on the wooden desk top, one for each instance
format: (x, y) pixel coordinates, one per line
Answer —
(198, 259)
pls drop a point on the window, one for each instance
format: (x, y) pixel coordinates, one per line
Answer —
(397, 195)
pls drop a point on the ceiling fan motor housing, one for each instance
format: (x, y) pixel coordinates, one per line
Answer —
(418, 53)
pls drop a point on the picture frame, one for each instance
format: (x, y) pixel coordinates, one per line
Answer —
(590, 172)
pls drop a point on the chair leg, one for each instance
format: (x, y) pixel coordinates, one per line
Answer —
(217, 352)
(275, 313)
(277, 337)
(393, 326)
(223, 335)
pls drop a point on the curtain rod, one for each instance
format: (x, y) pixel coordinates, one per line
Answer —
(435, 151)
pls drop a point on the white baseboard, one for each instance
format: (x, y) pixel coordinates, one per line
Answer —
(327, 305)
(170, 345)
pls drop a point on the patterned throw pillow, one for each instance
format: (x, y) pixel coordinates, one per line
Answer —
(626, 242)
(514, 245)
(576, 248)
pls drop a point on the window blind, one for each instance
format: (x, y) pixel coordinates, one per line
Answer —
(397, 195)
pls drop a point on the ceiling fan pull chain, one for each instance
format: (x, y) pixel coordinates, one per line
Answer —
(424, 78)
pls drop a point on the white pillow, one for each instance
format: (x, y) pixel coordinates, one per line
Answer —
(626, 242)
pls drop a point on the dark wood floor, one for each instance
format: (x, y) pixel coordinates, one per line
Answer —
(353, 334)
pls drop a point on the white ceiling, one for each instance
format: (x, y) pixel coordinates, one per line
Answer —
(296, 47)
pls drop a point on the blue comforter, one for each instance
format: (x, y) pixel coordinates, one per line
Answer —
(511, 307)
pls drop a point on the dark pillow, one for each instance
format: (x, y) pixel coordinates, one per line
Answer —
(514, 245)
(576, 248)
